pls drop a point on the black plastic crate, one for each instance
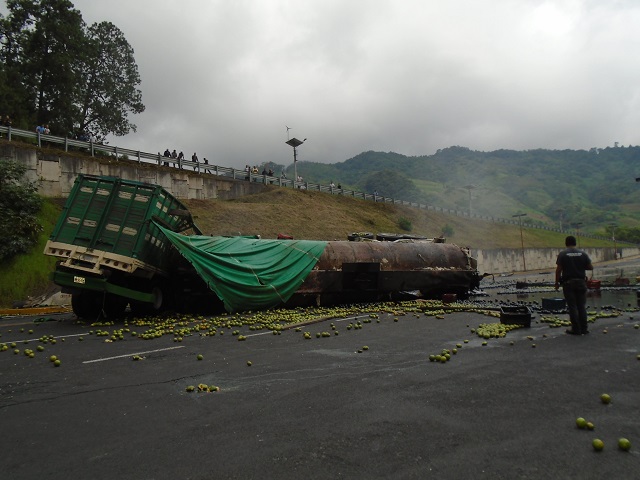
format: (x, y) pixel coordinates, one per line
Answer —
(553, 304)
(519, 315)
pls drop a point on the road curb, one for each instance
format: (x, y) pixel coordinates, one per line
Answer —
(33, 311)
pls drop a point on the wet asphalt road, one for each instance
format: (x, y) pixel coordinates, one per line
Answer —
(318, 408)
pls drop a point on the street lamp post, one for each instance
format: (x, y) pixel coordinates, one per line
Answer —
(560, 212)
(613, 237)
(469, 187)
(578, 225)
(520, 215)
(295, 143)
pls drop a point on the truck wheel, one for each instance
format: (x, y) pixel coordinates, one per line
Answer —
(114, 306)
(158, 298)
(87, 305)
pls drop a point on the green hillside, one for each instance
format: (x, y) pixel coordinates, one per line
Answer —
(553, 187)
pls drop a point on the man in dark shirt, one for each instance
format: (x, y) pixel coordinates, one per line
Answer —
(571, 273)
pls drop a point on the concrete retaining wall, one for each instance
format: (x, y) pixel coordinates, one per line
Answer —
(510, 259)
(55, 175)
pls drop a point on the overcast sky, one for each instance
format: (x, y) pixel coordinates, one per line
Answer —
(225, 77)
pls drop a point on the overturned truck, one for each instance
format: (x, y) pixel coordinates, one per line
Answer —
(124, 243)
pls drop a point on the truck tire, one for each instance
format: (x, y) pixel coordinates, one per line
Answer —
(87, 304)
(96, 305)
(114, 306)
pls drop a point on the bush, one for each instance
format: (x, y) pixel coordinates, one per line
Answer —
(447, 231)
(405, 224)
(19, 208)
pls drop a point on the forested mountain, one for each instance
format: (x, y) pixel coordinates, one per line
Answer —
(595, 188)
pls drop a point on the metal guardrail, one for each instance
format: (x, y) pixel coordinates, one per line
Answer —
(201, 167)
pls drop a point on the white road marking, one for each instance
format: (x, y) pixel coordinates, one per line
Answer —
(33, 339)
(131, 354)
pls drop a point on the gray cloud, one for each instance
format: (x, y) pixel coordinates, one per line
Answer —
(223, 78)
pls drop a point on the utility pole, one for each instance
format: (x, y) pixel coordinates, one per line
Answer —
(520, 215)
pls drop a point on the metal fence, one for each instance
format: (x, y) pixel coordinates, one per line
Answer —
(237, 174)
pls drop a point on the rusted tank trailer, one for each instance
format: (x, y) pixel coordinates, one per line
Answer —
(370, 270)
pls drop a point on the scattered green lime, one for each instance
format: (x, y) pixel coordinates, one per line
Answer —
(57, 363)
(581, 422)
(605, 398)
(199, 357)
(598, 444)
(624, 444)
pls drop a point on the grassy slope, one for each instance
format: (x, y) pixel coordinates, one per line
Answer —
(314, 215)
(28, 274)
(303, 214)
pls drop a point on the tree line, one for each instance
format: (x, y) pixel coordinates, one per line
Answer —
(58, 71)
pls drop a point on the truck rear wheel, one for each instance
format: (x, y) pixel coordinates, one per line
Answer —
(114, 306)
(96, 305)
(87, 304)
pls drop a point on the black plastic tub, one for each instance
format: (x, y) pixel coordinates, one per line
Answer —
(553, 304)
(520, 315)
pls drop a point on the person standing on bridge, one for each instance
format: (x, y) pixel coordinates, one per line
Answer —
(571, 268)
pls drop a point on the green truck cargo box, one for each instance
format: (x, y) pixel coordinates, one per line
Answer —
(107, 223)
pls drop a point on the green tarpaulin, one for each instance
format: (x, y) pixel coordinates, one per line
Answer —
(249, 273)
